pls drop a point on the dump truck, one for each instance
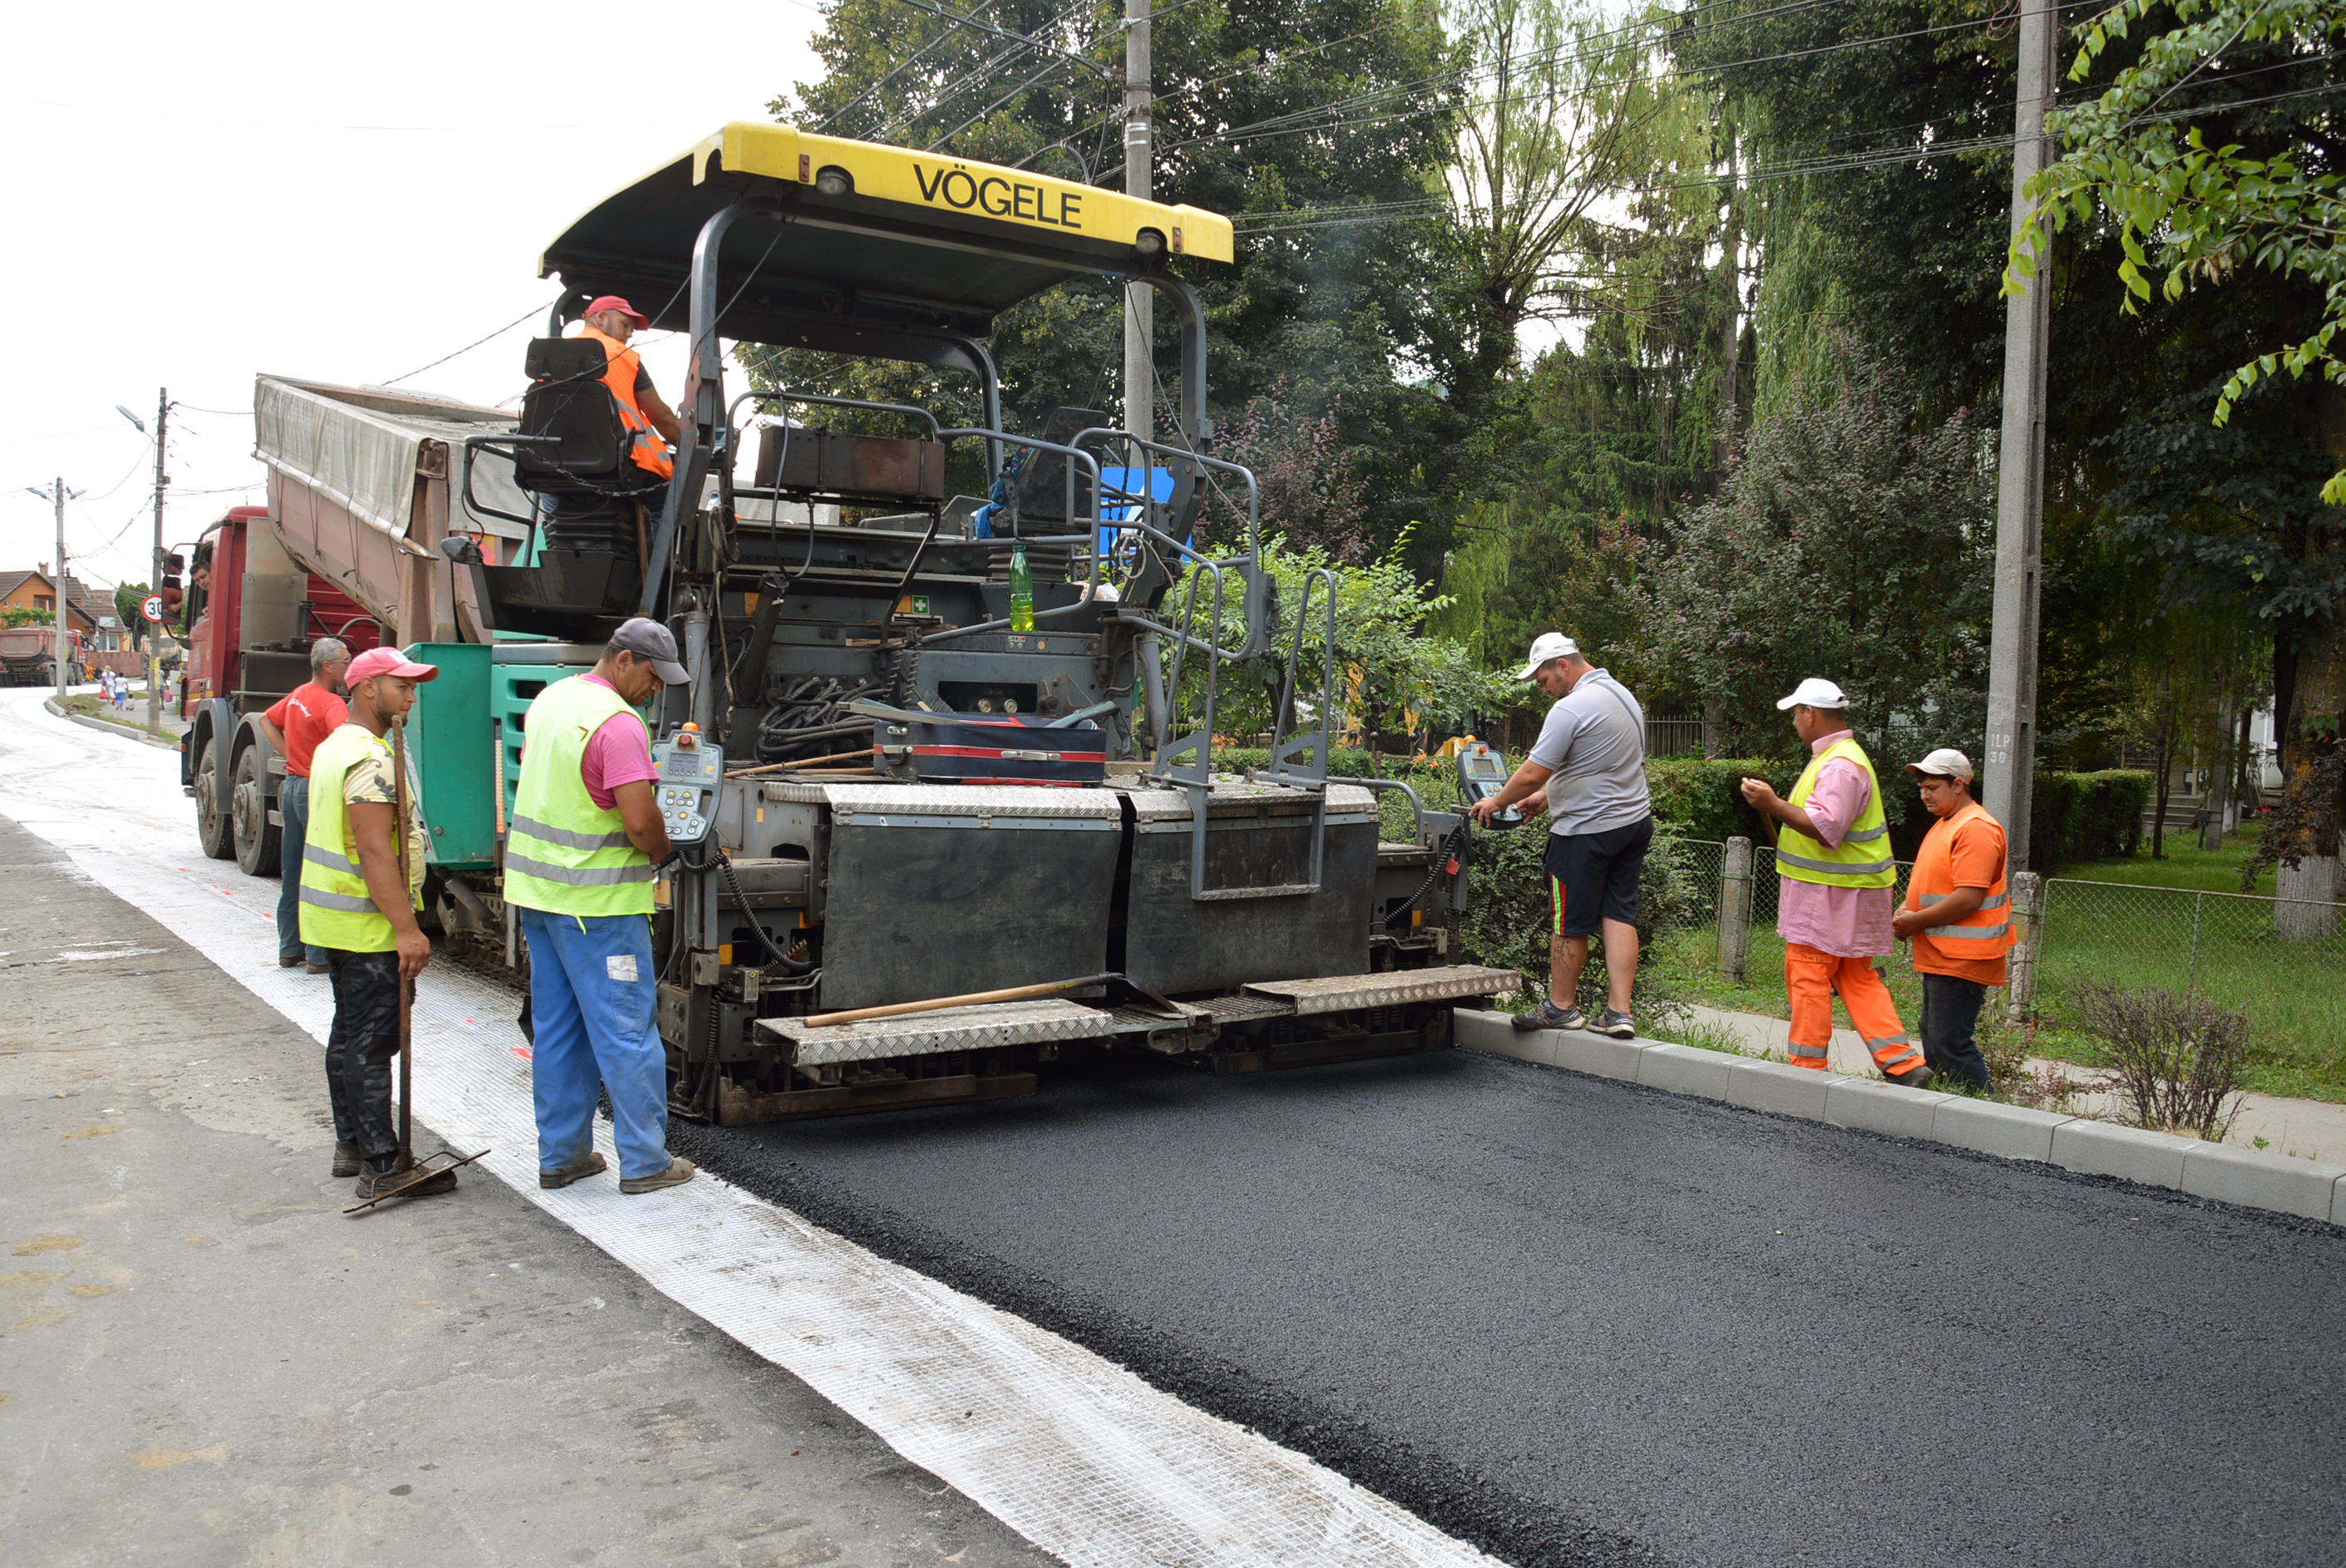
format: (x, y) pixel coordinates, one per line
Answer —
(28, 655)
(935, 746)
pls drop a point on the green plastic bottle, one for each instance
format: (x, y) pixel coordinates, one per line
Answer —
(1021, 589)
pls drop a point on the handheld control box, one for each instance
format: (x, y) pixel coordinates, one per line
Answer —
(1481, 773)
(691, 772)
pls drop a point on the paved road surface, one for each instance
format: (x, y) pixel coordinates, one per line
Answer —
(1579, 1321)
(203, 1361)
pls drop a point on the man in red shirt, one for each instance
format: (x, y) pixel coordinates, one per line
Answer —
(302, 717)
(1957, 915)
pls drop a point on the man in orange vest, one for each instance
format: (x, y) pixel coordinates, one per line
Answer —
(1957, 915)
(651, 424)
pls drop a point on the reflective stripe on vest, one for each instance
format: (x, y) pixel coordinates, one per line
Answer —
(1862, 859)
(337, 911)
(1983, 932)
(565, 854)
(619, 367)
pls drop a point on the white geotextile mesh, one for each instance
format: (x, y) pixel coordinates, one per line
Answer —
(1077, 1454)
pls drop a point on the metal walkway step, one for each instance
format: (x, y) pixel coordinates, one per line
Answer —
(931, 1033)
(1345, 993)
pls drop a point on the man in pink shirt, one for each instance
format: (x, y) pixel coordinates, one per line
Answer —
(1835, 842)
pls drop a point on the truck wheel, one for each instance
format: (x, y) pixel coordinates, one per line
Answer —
(260, 845)
(212, 829)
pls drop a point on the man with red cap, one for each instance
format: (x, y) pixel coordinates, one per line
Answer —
(357, 907)
(651, 424)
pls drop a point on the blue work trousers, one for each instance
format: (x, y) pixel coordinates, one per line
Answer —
(293, 805)
(593, 1008)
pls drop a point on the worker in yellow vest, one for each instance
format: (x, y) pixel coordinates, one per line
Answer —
(579, 865)
(355, 906)
(1837, 877)
(1958, 915)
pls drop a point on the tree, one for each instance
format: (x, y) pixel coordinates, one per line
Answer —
(2180, 195)
(129, 609)
(1846, 545)
(1305, 478)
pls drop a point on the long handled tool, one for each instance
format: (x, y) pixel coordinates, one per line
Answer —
(415, 1172)
(979, 998)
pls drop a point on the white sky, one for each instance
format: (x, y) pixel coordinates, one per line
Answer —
(342, 193)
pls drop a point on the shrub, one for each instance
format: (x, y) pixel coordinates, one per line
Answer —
(2087, 817)
(1508, 918)
(2178, 1061)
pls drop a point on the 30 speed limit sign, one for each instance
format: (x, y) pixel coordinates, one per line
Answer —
(151, 606)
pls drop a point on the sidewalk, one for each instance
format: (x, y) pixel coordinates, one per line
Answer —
(2307, 1129)
(203, 1360)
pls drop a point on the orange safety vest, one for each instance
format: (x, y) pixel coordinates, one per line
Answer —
(620, 366)
(1986, 933)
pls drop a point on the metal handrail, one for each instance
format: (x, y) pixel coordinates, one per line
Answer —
(1281, 769)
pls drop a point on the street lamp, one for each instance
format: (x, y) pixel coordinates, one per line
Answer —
(133, 418)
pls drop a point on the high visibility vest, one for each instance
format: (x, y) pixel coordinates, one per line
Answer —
(1862, 858)
(565, 854)
(337, 910)
(620, 365)
(1986, 932)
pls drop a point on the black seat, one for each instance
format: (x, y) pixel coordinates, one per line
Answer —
(567, 400)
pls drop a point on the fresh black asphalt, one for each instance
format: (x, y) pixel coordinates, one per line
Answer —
(1579, 1321)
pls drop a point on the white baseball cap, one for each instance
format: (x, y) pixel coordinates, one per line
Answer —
(1545, 646)
(1814, 692)
(1946, 762)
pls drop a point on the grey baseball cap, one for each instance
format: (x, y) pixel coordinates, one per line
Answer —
(646, 638)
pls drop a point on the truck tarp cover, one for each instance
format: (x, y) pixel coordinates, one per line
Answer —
(359, 448)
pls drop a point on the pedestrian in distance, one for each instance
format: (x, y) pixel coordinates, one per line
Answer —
(1590, 766)
(1833, 904)
(1958, 916)
(293, 726)
(357, 907)
(580, 860)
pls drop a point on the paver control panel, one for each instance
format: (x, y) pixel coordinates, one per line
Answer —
(691, 772)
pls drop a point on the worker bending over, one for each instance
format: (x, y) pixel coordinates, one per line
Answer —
(356, 906)
(293, 727)
(1833, 854)
(1957, 915)
(579, 864)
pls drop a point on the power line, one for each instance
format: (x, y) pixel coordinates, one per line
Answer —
(476, 342)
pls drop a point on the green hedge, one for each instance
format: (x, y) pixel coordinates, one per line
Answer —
(2087, 817)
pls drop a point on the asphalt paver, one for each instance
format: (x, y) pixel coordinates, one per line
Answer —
(1582, 1321)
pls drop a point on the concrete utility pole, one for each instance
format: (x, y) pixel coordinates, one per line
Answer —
(149, 630)
(1138, 318)
(64, 600)
(2008, 780)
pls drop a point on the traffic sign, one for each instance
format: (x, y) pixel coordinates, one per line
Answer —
(151, 606)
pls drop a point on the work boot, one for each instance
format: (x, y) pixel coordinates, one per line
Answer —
(1619, 1025)
(1548, 1015)
(284, 963)
(314, 967)
(1918, 1076)
(680, 1171)
(375, 1183)
(346, 1155)
(575, 1170)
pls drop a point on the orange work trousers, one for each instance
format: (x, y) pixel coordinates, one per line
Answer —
(1811, 976)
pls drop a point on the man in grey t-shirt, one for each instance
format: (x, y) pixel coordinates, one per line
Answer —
(1590, 761)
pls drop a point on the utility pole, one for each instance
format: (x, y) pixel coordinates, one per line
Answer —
(2008, 781)
(1138, 317)
(64, 600)
(151, 630)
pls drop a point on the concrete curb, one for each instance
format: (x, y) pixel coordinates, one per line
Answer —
(103, 727)
(2251, 1178)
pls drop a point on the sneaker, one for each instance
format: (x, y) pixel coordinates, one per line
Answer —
(1918, 1076)
(1548, 1015)
(1619, 1025)
(680, 1171)
(576, 1170)
(403, 1184)
(346, 1156)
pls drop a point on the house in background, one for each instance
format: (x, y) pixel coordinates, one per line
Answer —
(37, 590)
